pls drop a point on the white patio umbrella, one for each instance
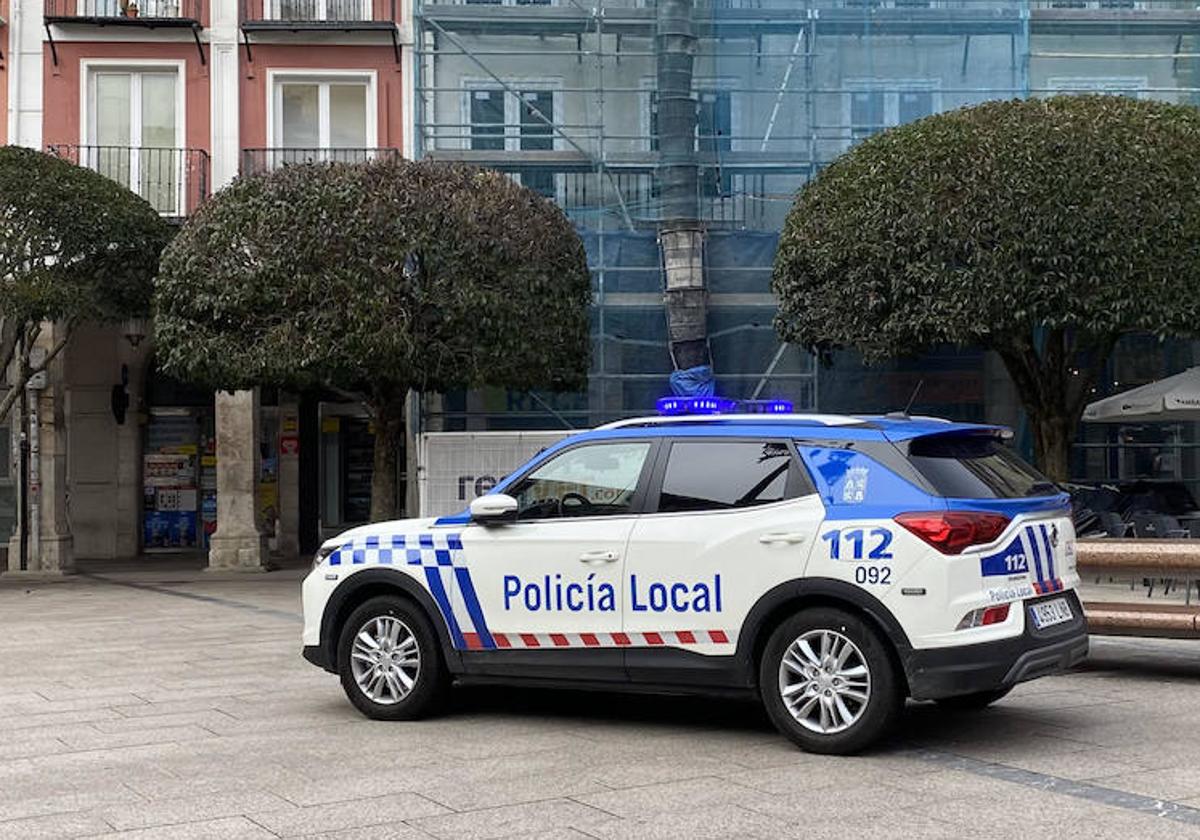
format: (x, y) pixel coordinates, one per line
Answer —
(1174, 398)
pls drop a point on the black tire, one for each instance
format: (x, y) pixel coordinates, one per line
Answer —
(975, 701)
(431, 682)
(884, 695)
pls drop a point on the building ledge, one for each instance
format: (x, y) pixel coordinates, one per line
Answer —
(573, 161)
(137, 22)
(484, 20)
(319, 26)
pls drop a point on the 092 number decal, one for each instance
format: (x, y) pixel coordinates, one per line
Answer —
(856, 540)
(881, 575)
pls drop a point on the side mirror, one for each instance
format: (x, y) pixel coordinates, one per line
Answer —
(493, 509)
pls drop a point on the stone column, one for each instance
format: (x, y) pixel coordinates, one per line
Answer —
(237, 545)
(51, 546)
(289, 477)
(55, 551)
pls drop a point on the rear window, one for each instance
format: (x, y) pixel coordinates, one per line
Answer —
(976, 467)
(712, 475)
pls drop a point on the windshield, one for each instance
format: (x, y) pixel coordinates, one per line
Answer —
(976, 467)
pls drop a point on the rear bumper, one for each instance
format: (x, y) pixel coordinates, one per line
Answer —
(947, 672)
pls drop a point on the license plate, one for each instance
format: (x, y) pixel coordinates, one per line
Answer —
(1048, 613)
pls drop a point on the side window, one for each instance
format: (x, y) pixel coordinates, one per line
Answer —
(594, 480)
(716, 475)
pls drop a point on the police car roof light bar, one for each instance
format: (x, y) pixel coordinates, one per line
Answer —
(687, 419)
(682, 406)
(673, 406)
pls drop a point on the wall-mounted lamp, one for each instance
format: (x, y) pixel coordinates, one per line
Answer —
(134, 330)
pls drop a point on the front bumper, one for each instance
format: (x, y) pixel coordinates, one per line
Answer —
(948, 672)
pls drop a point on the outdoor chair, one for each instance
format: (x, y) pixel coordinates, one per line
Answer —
(1113, 525)
(1167, 527)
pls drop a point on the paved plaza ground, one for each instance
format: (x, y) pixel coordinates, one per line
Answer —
(174, 704)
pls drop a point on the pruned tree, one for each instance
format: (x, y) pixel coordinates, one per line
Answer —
(74, 246)
(1043, 230)
(373, 279)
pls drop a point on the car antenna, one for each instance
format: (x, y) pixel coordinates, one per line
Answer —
(907, 406)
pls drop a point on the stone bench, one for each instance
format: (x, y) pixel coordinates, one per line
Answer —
(1178, 559)
(1176, 621)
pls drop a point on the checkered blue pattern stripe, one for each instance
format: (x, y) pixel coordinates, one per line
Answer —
(440, 556)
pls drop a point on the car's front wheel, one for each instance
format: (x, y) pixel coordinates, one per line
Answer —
(828, 683)
(389, 661)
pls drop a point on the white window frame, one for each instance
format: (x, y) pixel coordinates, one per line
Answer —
(891, 90)
(1112, 85)
(89, 67)
(274, 10)
(276, 79)
(512, 113)
(1086, 4)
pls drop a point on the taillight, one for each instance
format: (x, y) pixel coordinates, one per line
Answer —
(954, 531)
(984, 617)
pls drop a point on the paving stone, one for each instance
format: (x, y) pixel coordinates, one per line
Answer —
(353, 814)
(53, 827)
(513, 820)
(230, 828)
(164, 812)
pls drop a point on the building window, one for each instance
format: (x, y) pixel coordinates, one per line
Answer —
(323, 119)
(874, 106)
(134, 133)
(487, 120)
(318, 10)
(500, 120)
(714, 136)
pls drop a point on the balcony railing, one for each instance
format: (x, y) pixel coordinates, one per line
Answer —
(174, 181)
(146, 12)
(301, 14)
(258, 161)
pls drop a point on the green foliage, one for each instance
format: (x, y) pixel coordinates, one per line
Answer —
(1042, 229)
(979, 225)
(374, 278)
(74, 245)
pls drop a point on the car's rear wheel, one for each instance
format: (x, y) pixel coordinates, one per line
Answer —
(389, 661)
(976, 700)
(828, 683)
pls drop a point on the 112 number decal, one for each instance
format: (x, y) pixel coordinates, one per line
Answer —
(856, 540)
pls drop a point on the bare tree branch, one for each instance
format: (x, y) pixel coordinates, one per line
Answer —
(27, 372)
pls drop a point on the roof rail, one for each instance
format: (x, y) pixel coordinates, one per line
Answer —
(760, 419)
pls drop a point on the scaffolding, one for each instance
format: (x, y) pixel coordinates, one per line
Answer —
(562, 94)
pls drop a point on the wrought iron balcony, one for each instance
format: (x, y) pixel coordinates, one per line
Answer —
(173, 181)
(258, 161)
(319, 14)
(147, 13)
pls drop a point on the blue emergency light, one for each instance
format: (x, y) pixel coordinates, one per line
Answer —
(675, 406)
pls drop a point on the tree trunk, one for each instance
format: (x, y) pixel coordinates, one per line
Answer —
(1055, 383)
(681, 237)
(388, 416)
(1053, 434)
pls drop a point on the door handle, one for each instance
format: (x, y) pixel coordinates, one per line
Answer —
(597, 557)
(783, 537)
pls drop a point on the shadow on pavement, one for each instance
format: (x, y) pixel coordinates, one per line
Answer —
(683, 711)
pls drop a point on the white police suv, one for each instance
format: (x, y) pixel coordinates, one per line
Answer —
(831, 565)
